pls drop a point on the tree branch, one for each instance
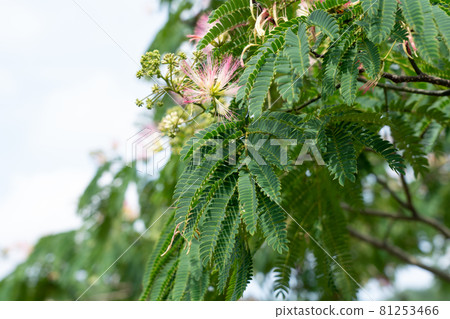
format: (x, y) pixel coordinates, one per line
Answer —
(415, 67)
(408, 197)
(305, 104)
(409, 90)
(399, 253)
(316, 55)
(411, 60)
(422, 77)
(421, 219)
(393, 194)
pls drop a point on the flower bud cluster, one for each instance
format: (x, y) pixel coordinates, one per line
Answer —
(150, 63)
(171, 122)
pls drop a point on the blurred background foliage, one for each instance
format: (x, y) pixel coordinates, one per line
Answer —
(98, 257)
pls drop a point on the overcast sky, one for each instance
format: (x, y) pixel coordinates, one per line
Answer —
(66, 88)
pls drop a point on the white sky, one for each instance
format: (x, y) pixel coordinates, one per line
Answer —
(67, 89)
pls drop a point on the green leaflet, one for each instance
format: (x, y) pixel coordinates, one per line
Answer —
(235, 47)
(273, 44)
(181, 277)
(273, 224)
(335, 239)
(370, 7)
(297, 49)
(260, 90)
(413, 13)
(243, 270)
(406, 140)
(298, 202)
(198, 288)
(193, 180)
(164, 281)
(331, 71)
(225, 24)
(251, 70)
(341, 156)
(254, 85)
(200, 138)
(156, 262)
(226, 243)
(382, 23)
(278, 124)
(325, 22)
(228, 7)
(349, 78)
(248, 201)
(431, 136)
(266, 179)
(203, 201)
(369, 55)
(427, 46)
(380, 146)
(443, 23)
(288, 84)
(288, 260)
(215, 215)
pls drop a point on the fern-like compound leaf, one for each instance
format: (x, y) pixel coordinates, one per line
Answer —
(382, 23)
(325, 22)
(248, 201)
(297, 49)
(349, 78)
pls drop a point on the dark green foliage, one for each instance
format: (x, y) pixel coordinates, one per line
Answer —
(236, 207)
(325, 22)
(382, 23)
(341, 155)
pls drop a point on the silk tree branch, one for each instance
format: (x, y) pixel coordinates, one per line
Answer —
(421, 219)
(409, 90)
(408, 204)
(305, 104)
(415, 66)
(421, 77)
(399, 253)
(393, 194)
(409, 201)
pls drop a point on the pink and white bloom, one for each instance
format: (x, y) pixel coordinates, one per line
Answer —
(201, 28)
(409, 46)
(261, 20)
(211, 83)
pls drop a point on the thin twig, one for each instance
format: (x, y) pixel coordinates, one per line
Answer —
(422, 77)
(408, 196)
(399, 253)
(393, 194)
(421, 219)
(408, 89)
(305, 104)
(316, 55)
(415, 67)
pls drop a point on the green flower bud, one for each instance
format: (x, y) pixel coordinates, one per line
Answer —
(155, 89)
(182, 55)
(149, 103)
(139, 103)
